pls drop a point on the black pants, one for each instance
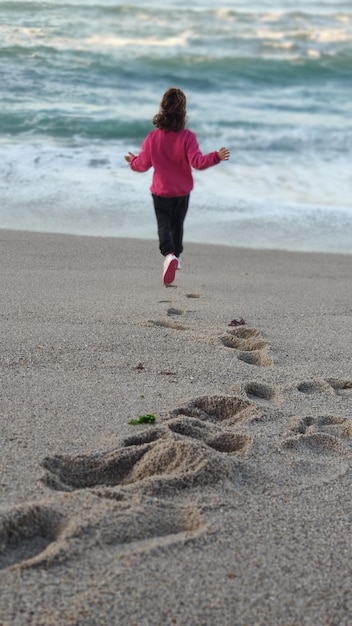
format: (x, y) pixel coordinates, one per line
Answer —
(170, 214)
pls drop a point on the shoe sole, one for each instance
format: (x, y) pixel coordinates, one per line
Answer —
(170, 273)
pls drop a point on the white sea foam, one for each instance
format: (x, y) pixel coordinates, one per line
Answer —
(92, 191)
(107, 41)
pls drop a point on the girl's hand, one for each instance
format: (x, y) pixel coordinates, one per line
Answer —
(224, 154)
(129, 157)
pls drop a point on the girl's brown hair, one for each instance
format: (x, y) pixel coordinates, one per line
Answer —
(172, 113)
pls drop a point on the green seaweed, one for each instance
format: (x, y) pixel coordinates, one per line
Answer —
(144, 419)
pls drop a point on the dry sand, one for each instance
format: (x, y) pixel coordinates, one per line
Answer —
(235, 507)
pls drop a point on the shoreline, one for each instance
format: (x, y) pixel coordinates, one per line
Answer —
(233, 507)
(188, 242)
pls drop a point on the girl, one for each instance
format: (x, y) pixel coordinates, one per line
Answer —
(172, 150)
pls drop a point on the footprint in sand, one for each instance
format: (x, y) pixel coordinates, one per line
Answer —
(174, 311)
(142, 519)
(340, 387)
(320, 435)
(244, 332)
(28, 534)
(218, 409)
(332, 386)
(314, 386)
(171, 461)
(318, 451)
(252, 349)
(218, 439)
(183, 453)
(256, 358)
(35, 535)
(261, 392)
(168, 324)
(334, 425)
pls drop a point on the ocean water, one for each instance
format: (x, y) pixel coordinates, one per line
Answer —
(80, 81)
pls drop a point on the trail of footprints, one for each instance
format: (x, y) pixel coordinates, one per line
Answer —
(187, 450)
(197, 445)
(251, 348)
(247, 342)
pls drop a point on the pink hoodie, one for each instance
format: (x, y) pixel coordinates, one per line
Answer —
(172, 155)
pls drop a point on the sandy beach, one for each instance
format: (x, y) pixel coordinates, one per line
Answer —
(234, 507)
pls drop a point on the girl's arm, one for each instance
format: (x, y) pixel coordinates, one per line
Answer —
(142, 162)
(200, 161)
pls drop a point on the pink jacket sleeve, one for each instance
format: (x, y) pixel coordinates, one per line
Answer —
(143, 161)
(196, 158)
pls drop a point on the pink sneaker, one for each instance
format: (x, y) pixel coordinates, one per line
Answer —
(170, 267)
